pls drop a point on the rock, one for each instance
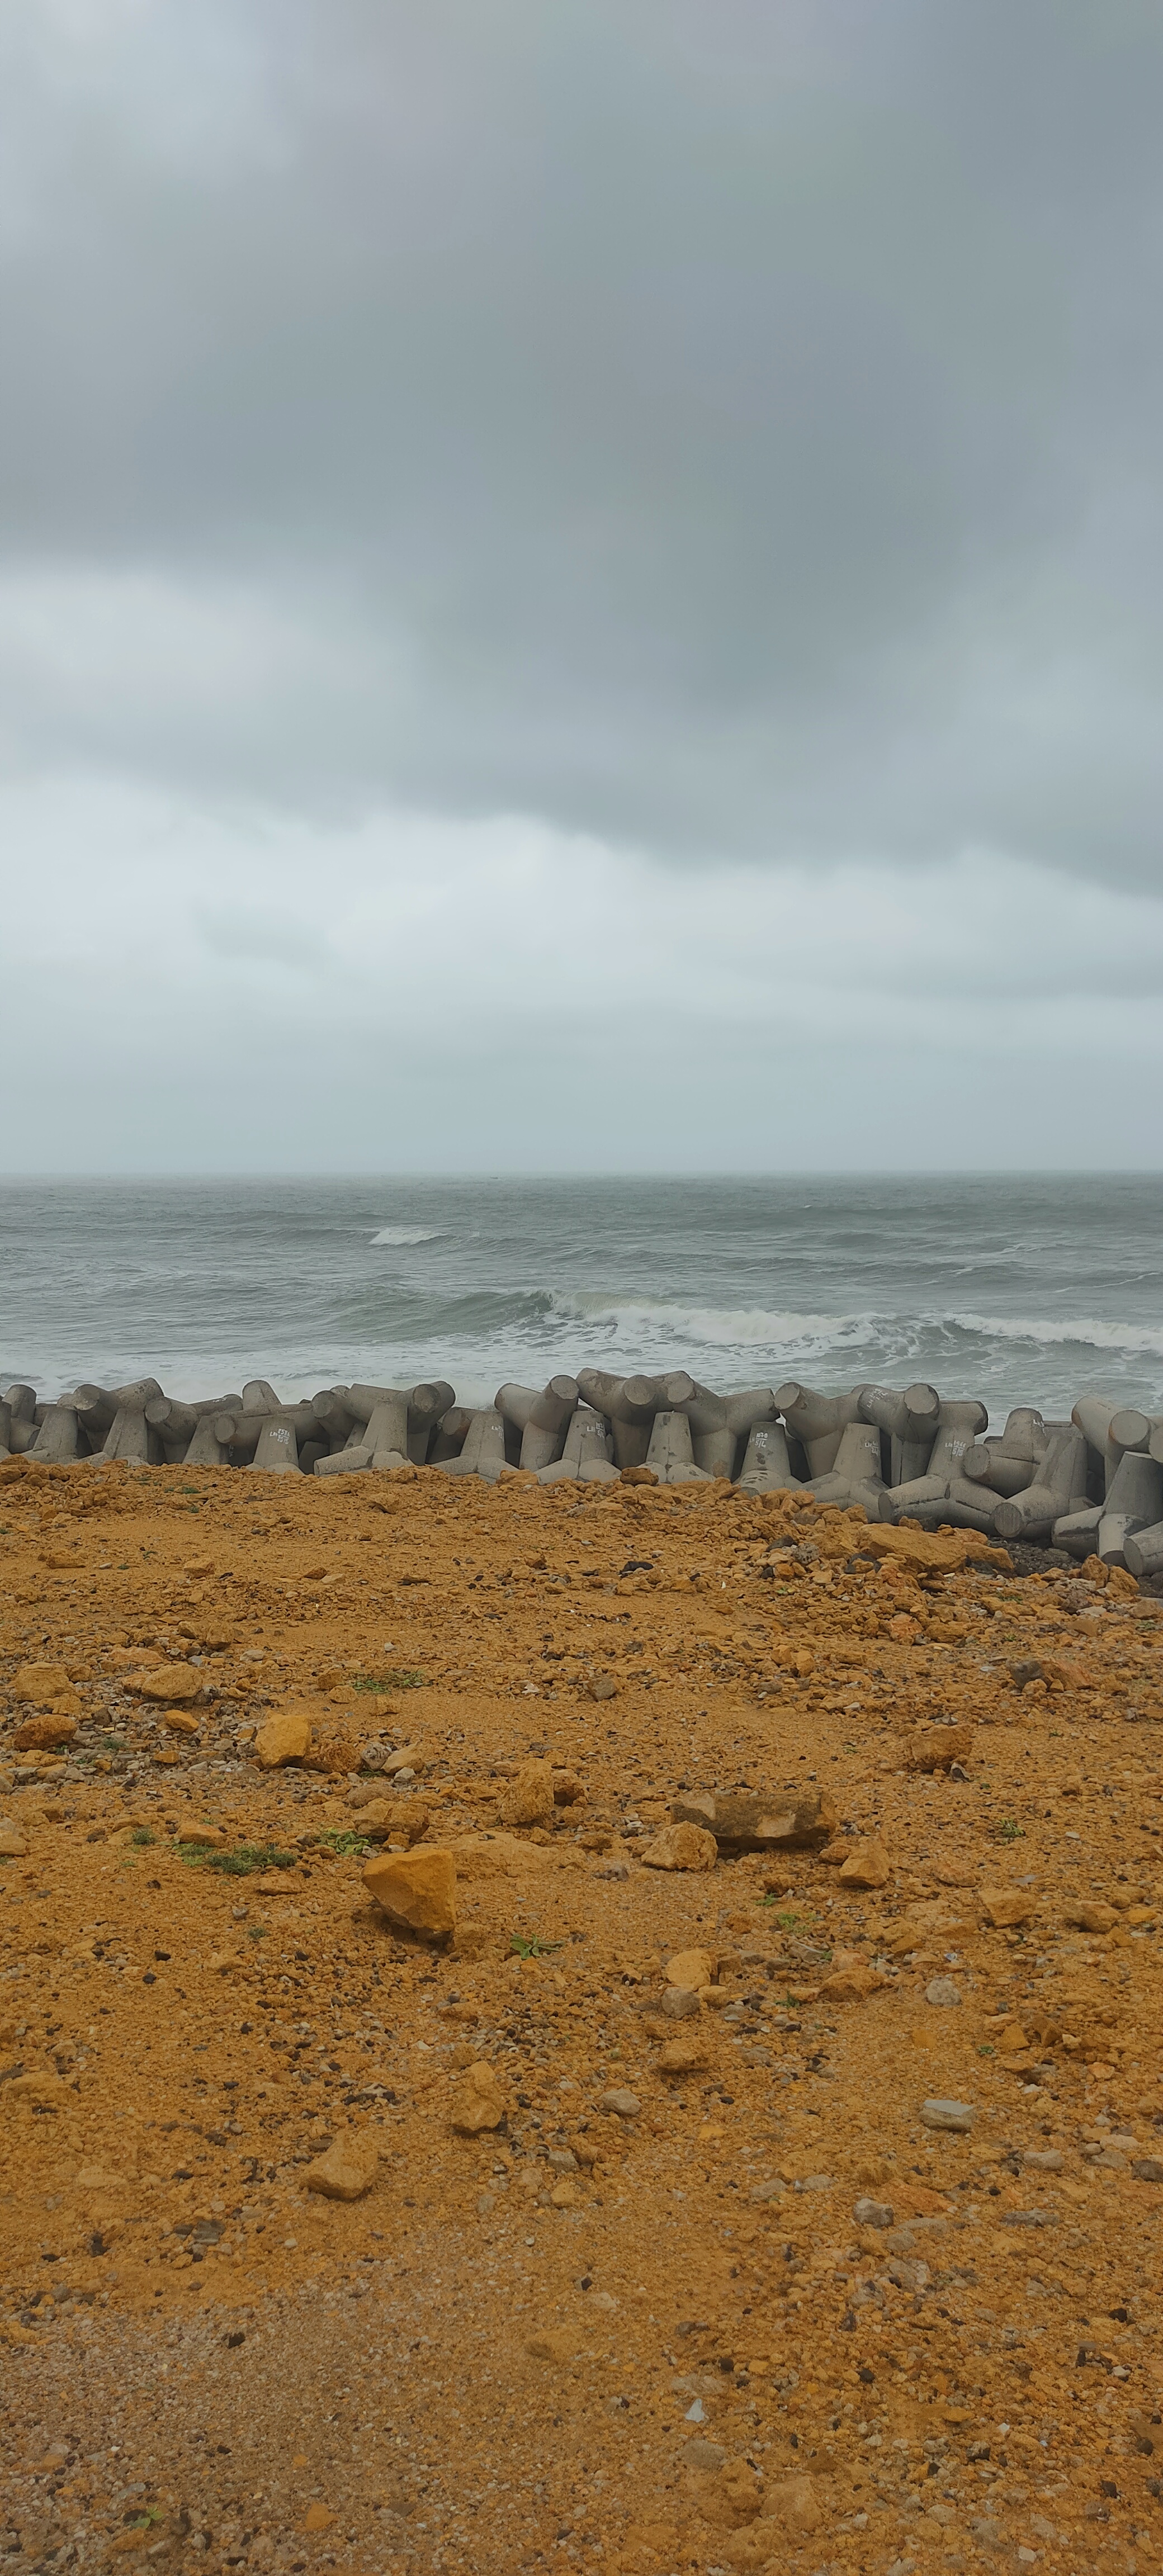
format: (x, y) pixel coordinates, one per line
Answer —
(1044, 2159)
(202, 1837)
(181, 1721)
(872, 2213)
(554, 2343)
(529, 1798)
(173, 1683)
(1007, 1907)
(285, 1737)
(395, 1819)
(623, 2105)
(933, 1748)
(407, 1757)
(568, 1790)
(908, 2273)
(852, 1985)
(318, 2517)
(943, 1991)
(43, 1734)
(601, 1687)
(794, 2502)
(726, 2497)
(690, 1968)
(1090, 1915)
(416, 1890)
(778, 1820)
(957, 2116)
(680, 1847)
(12, 1843)
(478, 2101)
(682, 2057)
(561, 2160)
(699, 2453)
(565, 2195)
(1147, 2168)
(680, 2002)
(45, 1686)
(867, 1864)
(347, 2170)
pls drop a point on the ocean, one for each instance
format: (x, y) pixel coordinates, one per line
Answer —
(1017, 1289)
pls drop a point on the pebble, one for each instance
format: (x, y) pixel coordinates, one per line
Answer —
(682, 2056)
(940, 2114)
(529, 1798)
(679, 2002)
(416, 1890)
(479, 2103)
(690, 1969)
(348, 2169)
(872, 2213)
(12, 1843)
(942, 1991)
(680, 1847)
(1006, 1907)
(867, 1864)
(1147, 2168)
(908, 2273)
(623, 2105)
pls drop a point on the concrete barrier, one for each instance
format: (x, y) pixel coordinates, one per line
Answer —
(818, 1421)
(588, 1455)
(908, 1419)
(629, 1405)
(856, 1476)
(670, 1452)
(541, 1418)
(766, 1465)
(1059, 1490)
(1134, 1503)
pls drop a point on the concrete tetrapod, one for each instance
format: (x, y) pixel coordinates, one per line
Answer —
(943, 1493)
(483, 1453)
(1093, 1416)
(629, 1405)
(718, 1422)
(1130, 1429)
(910, 1420)
(1008, 1464)
(856, 1476)
(541, 1417)
(587, 1456)
(1060, 1489)
(766, 1465)
(1134, 1503)
(671, 1454)
(22, 1423)
(818, 1421)
(178, 1425)
(1143, 1551)
(59, 1436)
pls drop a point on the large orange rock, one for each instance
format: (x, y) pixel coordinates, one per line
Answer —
(286, 1737)
(348, 2168)
(478, 2102)
(416, 1890)
(172, 1683)
(43, 1734)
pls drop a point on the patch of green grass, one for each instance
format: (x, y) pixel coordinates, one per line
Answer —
(1010, 1831)
(348, 1845)
(532, 1946)
(257, 1932)
(395, 1679)
(143, 1836)
(240, 1863)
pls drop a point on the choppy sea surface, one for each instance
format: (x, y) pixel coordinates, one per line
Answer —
(1019, 1289)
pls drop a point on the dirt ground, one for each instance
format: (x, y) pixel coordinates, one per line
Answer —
(714, 2293)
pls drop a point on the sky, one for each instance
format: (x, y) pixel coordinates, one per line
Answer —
(581, 584)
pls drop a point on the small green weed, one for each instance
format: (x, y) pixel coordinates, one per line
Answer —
(348, 1845)
(143, 1837)
(531, 1947)
(1010, 1831)
(240, 1863)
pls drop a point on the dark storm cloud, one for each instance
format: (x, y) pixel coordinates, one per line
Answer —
(732, 427)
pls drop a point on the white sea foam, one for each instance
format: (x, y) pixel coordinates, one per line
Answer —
(402, 1234)
(720, 1327)
(1083, 1332)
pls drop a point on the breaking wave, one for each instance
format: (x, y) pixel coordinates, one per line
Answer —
(402, 1234)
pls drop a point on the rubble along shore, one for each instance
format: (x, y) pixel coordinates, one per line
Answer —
(763, 2164)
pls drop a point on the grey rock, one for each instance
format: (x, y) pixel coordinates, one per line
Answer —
(624, 2105)
(701, 2454)
(942, 1990)
(679, 2003)
(1048, 2160)
(1147, 2168)
(908, 2273)
(562, 2161)
(872, 2213)
(941, 2114)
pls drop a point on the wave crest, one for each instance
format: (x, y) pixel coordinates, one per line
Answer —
(401, 1234)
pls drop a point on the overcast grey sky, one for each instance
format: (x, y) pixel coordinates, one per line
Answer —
(581, 583)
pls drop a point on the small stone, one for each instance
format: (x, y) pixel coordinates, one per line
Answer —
(174, 1682)
(680, 1847)
(690, 1969)
(347, 2170)
(867, 1864)
(907, 2273)
(1044, 2159)
(934, 1748)
(43, 1734)
(318, 2517)
(872, 2213)
(565, 2195)
(529, 1798)
(1090, 1915)
(623, 2105)
(682, 2057)
(1147, 2168)
(478, 2101)
(701, 2454)
(852, 1985)
(940, 2114)
(395, 1820)
(943, 1991)
(202, 1837)
(1006, 1907)
(679, 2002)
(285, 1737)
(407, 1757)
(555, 2343)
(794, 1819)
(561, 2160)
(416, 1890)
(43, 1686)
(794, 2502)
(12, 1843)
(180, 1721)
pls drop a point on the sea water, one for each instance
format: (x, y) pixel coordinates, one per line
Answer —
(1021, 1289)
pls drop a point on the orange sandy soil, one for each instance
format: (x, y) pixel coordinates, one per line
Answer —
(688, 2352)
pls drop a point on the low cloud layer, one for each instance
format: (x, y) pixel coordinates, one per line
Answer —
(540, 536)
